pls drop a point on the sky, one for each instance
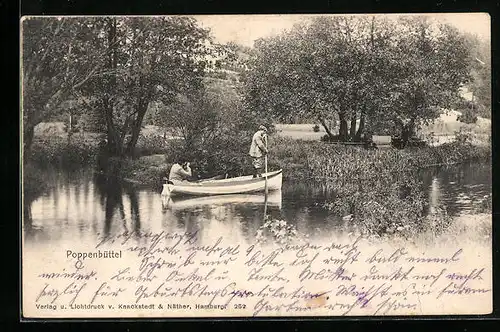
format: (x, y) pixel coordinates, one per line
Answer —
(245, 29)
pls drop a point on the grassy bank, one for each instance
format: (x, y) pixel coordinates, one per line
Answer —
(320, 161)
(304, 160)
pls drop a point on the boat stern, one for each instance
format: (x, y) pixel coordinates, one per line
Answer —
(166, 190)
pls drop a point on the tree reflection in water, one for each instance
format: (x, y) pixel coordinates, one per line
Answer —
(134, 207)
(110, 191)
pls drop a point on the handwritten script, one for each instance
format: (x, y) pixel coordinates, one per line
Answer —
(179, 274)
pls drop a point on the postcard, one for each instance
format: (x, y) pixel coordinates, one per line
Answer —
(256, 166)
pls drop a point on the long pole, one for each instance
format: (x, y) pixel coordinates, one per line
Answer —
(265, 164)
(472, 102)
(265, 174)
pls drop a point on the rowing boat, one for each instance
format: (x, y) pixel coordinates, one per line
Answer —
(238, 185)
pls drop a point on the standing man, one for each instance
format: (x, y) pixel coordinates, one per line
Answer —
(258, 150)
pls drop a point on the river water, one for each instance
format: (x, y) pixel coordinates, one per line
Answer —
(82, 206)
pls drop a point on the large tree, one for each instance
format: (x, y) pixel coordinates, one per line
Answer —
(213, 123)
(377, 72)
(331, 68)
(56, 61)
(113, 67)
(148, 59)
(433, 64)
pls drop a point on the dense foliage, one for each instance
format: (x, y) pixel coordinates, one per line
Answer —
(109, 70)
(367, 73)
(57, 60)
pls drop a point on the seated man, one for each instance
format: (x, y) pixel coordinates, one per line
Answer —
(180, 171)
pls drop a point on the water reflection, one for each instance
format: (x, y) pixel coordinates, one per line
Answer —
(458, 188)
(82, 206)
(179, 203)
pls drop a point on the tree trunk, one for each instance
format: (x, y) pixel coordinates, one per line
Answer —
(136, 127)
(407, 132)
(115, 143)
(115, 147)
(405, 136)
(327, 129)
(343, 130)
(361, 127)
(352, 129)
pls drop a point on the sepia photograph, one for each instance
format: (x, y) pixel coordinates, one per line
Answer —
(256, 165)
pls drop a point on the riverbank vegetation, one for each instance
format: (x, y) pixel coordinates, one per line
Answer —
(321, 161)
(376, 191)
(302, 160)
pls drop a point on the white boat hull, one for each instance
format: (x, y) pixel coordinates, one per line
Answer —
(239, 185)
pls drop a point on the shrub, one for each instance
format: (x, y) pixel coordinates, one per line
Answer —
(467, 116)
(328, 138)
(486, 204)
(386, 203)
(150, 144)
(141, 172)
(463, 136)
(276, 231)
(58, 151)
